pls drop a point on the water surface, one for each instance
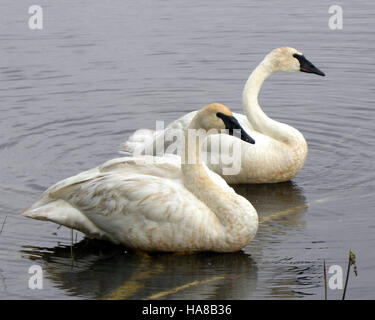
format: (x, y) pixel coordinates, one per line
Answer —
(71, 93)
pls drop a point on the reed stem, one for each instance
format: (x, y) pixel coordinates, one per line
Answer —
(2, 227)
(351, 261)
(325, 279)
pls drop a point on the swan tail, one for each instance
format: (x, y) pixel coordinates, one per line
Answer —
(137, 143)
(62, 213)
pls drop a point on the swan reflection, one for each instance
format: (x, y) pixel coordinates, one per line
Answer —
(100, 270)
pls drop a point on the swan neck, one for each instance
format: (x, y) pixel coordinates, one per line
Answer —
(255, 115)
(193, 139)
(251, 91)
(255, 81)
(222, 203)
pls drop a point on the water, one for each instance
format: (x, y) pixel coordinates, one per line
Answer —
(70, 94)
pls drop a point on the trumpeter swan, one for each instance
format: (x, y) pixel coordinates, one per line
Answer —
(158, 206)
(280, 151)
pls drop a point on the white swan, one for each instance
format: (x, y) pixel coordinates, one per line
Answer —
(280, 151)
(162, 206)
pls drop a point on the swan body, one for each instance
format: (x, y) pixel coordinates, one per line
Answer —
(280, 151)
(155, 203)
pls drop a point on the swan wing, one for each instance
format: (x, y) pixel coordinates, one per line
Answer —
(63, 213)
(139, 210)
(184, 121)
(51, 208)
(135, 143)
(145, 141)
(168, 167)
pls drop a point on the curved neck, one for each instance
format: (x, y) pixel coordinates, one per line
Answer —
(258, 119)
(197, 180)
(191, 164)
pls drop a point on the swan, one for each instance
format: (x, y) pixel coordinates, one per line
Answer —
(280, 151)
(168, 205)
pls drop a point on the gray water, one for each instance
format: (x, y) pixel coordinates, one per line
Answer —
(71, 93)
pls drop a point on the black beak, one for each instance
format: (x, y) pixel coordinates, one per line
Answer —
(231, 124)
(307, 66)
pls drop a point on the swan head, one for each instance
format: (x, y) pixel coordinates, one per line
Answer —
(288, 59)
(219, 117)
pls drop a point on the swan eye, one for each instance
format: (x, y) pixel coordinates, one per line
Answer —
(299, 57)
